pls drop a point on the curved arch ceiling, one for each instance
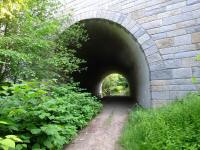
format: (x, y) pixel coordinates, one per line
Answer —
(113, 49)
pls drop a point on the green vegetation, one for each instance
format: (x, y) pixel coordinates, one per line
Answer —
(115, 84)
(31, 45)
(45, 115)
(41, 107)
(173, 127)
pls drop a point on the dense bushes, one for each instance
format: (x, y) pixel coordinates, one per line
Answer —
(44, 115)
(176, 127)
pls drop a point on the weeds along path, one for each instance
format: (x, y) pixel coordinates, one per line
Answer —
(103, 131)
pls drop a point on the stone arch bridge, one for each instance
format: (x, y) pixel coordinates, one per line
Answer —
(152, 42)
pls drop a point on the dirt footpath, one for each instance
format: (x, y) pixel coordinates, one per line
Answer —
(104, 130)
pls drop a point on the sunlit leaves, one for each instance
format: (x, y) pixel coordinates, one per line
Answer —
(9, 7)
(3, 122)
(9, 142)
(14, 138)
(4, 12)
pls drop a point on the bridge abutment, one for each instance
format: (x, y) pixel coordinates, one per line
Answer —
(167, 32)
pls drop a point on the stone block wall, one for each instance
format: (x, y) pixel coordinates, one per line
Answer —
(168, 31)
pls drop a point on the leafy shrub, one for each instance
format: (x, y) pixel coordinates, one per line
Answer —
(45, 115)
(176, 126)
(9, 140)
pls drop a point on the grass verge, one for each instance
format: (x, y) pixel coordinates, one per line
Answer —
(172, 127)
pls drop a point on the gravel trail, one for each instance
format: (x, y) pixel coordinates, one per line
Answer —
(103, 131)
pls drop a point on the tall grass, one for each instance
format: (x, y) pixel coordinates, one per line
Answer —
(173, 127)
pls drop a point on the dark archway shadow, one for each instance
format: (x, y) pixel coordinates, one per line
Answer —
(127, 101)
(111, 48)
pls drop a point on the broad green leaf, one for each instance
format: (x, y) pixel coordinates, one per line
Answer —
(5, 87)
(50, 129)
(8, 142)
(36, 147)
(14, 138)
(48, 143)
(35, 131)
(3, 122)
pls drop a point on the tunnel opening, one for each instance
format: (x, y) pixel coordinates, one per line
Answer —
(111, 48)
(114, 84)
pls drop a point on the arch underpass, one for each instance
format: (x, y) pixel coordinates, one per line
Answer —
(113, 49)
(167, 33)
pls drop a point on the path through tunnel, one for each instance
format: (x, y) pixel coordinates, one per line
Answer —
(113, 49)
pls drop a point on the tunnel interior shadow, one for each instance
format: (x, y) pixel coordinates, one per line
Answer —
(111, 48)
(119, 101)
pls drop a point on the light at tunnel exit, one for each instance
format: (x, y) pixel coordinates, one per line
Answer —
(114, 85)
